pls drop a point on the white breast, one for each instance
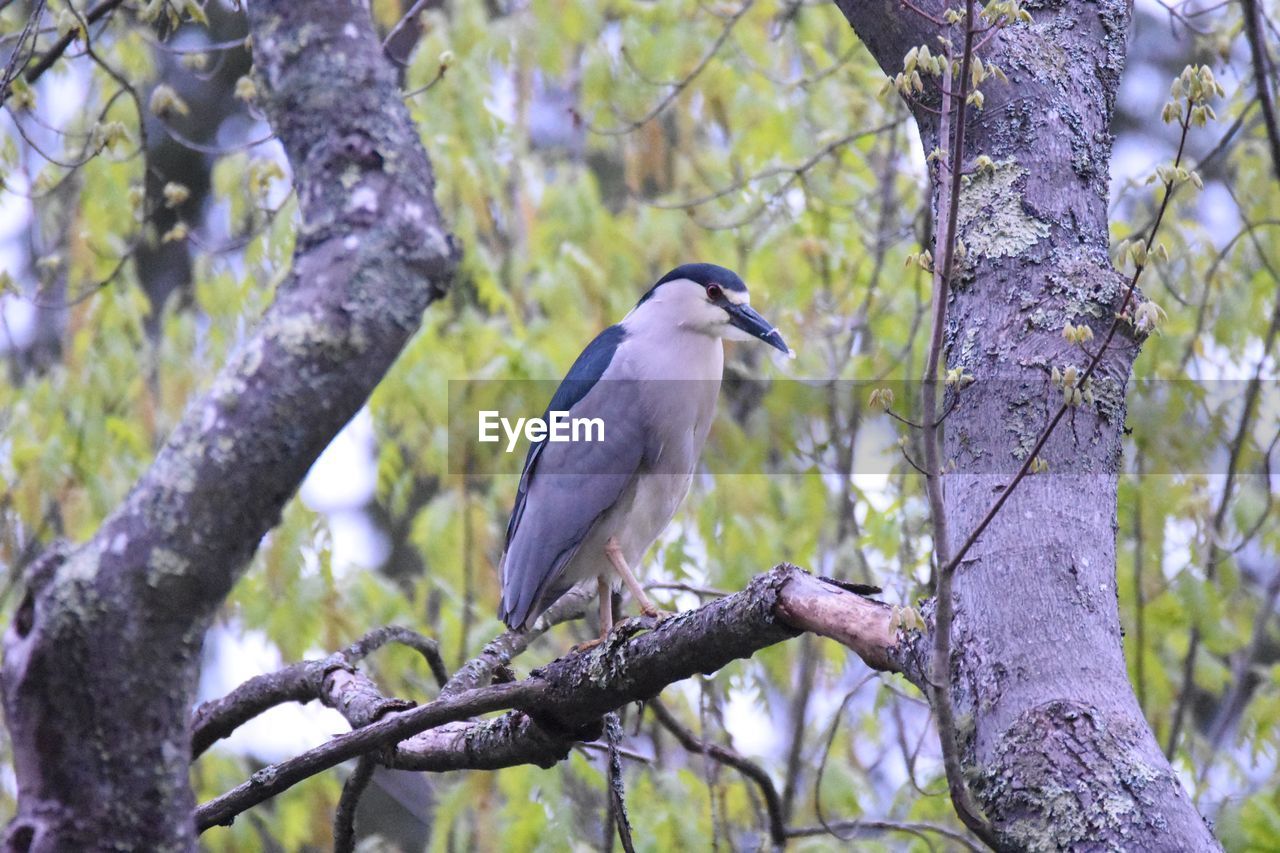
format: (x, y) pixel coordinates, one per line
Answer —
(675, 374)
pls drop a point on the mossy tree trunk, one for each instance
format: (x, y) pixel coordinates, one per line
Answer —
(101, 660)
(1053, 741)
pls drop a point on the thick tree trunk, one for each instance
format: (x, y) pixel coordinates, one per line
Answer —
(100, 662)
(1054, 743)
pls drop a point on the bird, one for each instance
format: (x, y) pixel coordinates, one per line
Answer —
(592, 509)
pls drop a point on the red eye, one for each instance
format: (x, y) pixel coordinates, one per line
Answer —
(714, 293)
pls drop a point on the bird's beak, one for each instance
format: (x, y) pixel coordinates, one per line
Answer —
(747, 319)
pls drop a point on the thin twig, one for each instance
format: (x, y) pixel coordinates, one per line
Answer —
(408, 16)
(683, 84)
(617, 793)
(940, 677)
(379, 637)
(777, 171)
(429, 85)
(13, 65)
(730, 758)
(59, 47)
(344, 817)
(865, 826)
(826, 753)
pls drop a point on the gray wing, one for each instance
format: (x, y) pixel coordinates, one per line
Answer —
(566, 488)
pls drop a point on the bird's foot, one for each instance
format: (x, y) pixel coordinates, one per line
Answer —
(648, 620)
(657, 613)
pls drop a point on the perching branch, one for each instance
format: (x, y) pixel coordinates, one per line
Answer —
(563, 702)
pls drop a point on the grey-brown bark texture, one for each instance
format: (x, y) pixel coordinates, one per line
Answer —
(1054, 743)
(559, 704)
(101, 660)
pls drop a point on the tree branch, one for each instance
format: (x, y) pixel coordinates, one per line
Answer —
(344, 817)
(332, 679)
(856, 828)
(1262, 74)
(55, 51)
(563, 702)
(218, 718)
(947, 237)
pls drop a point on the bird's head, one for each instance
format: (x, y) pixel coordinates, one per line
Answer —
(712, 300)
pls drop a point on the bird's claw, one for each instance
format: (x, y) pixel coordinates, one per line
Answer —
(587, 646)
(657, 613)
(649, 619)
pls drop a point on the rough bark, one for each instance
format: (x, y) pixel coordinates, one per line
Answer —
(1053, 740)
(563, 703)
(101, 659)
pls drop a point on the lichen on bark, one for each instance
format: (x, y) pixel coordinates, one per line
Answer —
(994, 223)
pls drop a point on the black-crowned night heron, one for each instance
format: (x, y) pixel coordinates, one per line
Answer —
(592, 509)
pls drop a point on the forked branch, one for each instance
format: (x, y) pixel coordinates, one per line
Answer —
(562, 703)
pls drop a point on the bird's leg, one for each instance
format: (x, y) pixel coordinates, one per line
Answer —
(614, 553)
(606, 606)
(606, 616)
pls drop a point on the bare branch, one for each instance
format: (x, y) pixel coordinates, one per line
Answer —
(563, 702)
(59, 47)
(1262, 74)
(332, 680)
(501, 650)
(682, 84)
(268, 782)
(344, 817)
(218, 718)
(863, 625)
(855, 828)
(379, 637)
(618, 818)
(724, 755)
